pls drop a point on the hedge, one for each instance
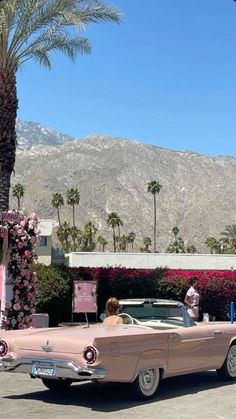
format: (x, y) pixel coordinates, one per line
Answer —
(54, 288)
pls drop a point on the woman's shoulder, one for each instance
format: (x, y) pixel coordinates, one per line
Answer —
(113, 320)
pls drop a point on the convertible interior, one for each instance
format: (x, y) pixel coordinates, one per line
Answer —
(155, 315)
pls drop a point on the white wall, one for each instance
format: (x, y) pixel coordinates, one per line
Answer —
(151, 260)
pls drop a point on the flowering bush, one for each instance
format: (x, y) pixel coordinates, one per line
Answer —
(22, 237)
(217, 289)
(55, 284)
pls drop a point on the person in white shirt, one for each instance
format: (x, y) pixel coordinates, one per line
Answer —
(192, 299)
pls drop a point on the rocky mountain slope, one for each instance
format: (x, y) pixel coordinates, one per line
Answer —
(198, 192)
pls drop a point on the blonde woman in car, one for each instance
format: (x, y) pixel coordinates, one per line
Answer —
(112, 310)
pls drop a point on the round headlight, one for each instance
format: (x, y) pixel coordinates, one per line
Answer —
(90, 354)
(3, 348)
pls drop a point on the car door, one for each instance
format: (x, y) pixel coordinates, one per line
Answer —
(188, 349)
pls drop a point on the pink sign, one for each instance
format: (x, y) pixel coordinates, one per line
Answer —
(84, 297)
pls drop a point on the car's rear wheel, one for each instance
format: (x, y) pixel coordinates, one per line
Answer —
(228, 369)
(145, 385)
(56, 385)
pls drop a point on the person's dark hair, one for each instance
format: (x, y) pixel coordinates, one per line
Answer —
(193, 279)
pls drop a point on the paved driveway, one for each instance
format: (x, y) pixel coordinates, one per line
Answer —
(191, 397)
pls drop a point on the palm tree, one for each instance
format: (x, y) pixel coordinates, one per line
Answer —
(229, 234)
(213, 244)
(63, 234)
(33, 29)
(154, 188)
(130, 239)
(113, 221)
(72, 199)
(18, 192)
(146, 243)
(57, 202)
(191, 249)
(176, 246)
(175, 231)
(119, 224)
(88, 242)
(123, 241)
(102, 242)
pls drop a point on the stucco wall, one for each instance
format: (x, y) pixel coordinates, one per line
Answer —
(151, 260)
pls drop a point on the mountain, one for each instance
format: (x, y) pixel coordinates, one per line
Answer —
(198, 192)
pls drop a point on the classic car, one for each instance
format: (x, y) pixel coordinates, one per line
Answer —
(157, 340)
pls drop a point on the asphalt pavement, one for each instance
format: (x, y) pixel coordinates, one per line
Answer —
(194, 396)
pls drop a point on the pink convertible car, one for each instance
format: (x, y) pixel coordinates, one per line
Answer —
(156, 340)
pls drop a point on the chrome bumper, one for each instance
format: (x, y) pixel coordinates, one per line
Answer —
(63, 368)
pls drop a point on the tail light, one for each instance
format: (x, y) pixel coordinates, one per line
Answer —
(90, 354)
(3, 348)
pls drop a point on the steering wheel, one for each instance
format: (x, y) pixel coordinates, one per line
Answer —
(126, 317)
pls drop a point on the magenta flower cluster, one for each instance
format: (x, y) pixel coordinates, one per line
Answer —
(22, 237)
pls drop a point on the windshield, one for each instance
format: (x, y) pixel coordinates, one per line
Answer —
(153, 311)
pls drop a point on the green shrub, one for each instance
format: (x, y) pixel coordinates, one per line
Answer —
(53, 293)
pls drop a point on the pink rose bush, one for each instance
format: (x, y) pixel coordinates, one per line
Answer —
(22, 237)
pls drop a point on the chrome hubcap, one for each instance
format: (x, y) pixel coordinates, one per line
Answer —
(148, 380)
(231, 361)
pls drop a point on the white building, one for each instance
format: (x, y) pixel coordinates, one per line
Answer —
(44, 249)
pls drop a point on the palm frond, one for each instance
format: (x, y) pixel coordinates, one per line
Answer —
(32, 19)
(65, 43)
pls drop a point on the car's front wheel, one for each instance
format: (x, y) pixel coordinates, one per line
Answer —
(56, 385)
(228, 369)
(145, 385)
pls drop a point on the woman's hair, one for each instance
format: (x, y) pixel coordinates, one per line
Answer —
(112, 305)
(193, 279)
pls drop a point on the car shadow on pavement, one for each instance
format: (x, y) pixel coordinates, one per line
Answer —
(110, 397)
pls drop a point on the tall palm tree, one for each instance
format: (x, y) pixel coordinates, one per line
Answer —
(119, 224)
(33, 29)
(154, 188)
(18, 192)
(72, 199)
(57, 202)
(113, 221)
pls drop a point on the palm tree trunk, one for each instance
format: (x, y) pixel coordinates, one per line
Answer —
(114, 239)
(18, 204)
(8, 111)
(155, 224)
(73, 209)
(58, 216)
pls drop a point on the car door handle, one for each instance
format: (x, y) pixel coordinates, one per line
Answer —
(218, 332)
(174, 336)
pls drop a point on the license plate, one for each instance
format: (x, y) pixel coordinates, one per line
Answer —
(43, 371)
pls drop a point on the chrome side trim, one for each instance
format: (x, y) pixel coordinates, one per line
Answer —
(64, 368)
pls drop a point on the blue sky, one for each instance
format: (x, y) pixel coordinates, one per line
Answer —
(166, 76)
